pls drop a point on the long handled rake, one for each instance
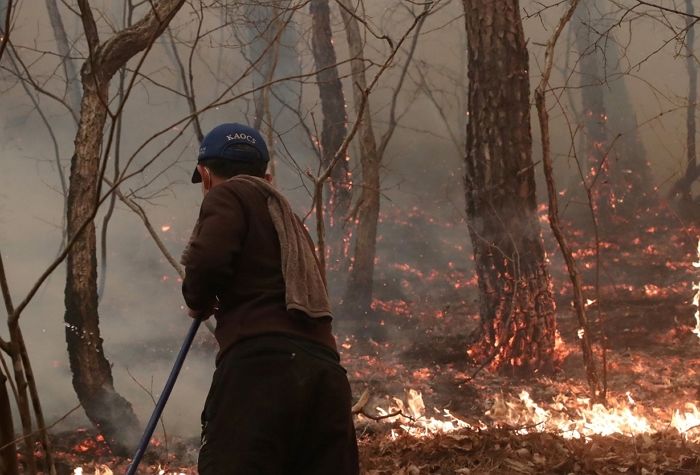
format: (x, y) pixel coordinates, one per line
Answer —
(163, 399)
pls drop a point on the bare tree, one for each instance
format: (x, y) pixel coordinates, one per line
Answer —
(596, 141)
(334, 130)
(682, 187)
(597, 391)
(92, 377)
(634, 184)
(270, 46)
(516, 302)
(616, 159)
(358, 295)
(64, 50)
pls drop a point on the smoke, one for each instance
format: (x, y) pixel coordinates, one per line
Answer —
(142, 318)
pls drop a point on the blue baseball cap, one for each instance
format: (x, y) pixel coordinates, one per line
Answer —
(221, 143)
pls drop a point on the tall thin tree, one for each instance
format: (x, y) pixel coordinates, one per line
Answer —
(358, 295)
(596, 139)
(682, 187)
(334, 128)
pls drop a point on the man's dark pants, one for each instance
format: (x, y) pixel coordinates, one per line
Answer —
(278, 405)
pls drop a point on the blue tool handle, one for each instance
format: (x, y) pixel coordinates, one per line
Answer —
(163, 399)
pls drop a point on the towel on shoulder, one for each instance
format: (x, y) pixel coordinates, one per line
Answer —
(305, 286)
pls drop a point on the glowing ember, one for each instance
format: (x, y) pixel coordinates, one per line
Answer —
(652, 290)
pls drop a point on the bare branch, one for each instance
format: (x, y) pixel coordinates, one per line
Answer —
(386, 138)
(6, 28)
(89, 26)
(7, 298)
(667, 9)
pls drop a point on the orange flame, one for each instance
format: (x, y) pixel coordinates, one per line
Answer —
(570, 417)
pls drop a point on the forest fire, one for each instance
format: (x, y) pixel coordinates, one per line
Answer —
(567, 416)
(503, 306)
(411, 417)
(578, 418)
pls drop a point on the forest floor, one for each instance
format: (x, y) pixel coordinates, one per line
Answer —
(455, 419)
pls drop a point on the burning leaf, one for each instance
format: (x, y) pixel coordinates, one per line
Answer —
(103, 470)
(416, 406)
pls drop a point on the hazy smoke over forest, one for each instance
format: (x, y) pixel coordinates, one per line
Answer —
(142, 317)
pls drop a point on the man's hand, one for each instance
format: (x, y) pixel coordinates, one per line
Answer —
(201, 314)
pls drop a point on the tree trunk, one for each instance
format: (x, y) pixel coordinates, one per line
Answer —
(682, 187)
(596, 141)
(634, 185)
(632, 182)
(358, 294)
(263, 39)
(271, 41)
(8, 455)
(72, 80)
(338, 188)
(92, 376)
(516, 303)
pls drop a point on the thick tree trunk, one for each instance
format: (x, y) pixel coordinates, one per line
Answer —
(92, 376)
(358, 295)
(8, 455)
(516, 303)
(338, 188)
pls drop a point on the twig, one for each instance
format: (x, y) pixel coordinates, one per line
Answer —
(385, 416)
(141, 213)
(155, 402)
(53, 424)
(359, 406)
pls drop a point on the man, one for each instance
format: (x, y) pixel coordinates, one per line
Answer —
(279, 402)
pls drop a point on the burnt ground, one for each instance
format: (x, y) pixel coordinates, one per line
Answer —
(642, 315)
